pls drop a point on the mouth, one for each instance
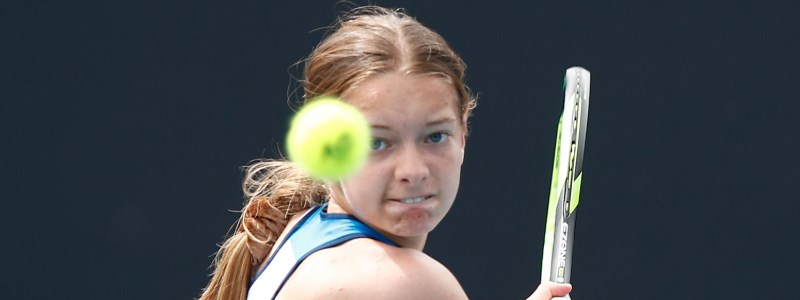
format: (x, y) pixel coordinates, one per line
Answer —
(413, 200)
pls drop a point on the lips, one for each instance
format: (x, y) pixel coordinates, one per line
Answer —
(413, 200)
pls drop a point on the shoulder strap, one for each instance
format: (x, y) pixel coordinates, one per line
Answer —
(316, 231)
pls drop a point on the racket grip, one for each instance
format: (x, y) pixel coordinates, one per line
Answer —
(562, 298)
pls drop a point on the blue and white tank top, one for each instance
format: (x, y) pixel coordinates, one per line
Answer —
(317, 230)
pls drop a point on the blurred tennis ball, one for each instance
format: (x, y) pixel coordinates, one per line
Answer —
(328, 138)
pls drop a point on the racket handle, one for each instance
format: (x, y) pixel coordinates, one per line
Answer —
(562, 298)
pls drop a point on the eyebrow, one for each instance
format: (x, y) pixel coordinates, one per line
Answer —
(435, 122)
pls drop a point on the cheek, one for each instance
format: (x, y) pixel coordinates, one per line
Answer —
(449, 169)
(453, 157)
(455, 177)
(365, 185)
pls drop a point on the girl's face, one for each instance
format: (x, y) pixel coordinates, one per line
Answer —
(411, 177)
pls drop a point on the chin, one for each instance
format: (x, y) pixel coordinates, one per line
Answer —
(415, 226)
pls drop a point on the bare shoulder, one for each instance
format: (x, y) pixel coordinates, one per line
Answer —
(367, 269)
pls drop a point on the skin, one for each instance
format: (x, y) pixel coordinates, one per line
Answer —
(418, 150)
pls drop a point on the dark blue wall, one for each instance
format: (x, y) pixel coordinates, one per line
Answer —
(125, 124)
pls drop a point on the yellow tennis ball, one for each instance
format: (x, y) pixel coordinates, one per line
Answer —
(328, 138)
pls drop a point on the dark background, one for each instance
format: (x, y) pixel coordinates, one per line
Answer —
(124, 125)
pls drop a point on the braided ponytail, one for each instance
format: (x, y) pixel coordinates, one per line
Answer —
(368, 41)
(275, 191)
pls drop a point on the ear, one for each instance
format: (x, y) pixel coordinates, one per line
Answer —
(463, 144)
(464, 133)
(463, 138)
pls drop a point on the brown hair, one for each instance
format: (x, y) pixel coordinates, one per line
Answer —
(374, 40)
(367, 41)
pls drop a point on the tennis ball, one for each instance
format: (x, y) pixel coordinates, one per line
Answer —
(328, 138)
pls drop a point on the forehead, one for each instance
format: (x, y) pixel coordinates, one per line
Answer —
(394, 96)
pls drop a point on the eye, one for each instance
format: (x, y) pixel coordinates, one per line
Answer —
(438, 137)
(377, 144)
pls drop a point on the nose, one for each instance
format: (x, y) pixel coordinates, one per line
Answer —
(411, 167)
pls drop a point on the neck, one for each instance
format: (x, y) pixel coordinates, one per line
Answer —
(417, 243)
(413, 242)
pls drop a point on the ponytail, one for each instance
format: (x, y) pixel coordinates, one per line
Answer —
(370, 40)
(275, 191)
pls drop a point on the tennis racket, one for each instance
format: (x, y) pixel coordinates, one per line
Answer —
(565, 187)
